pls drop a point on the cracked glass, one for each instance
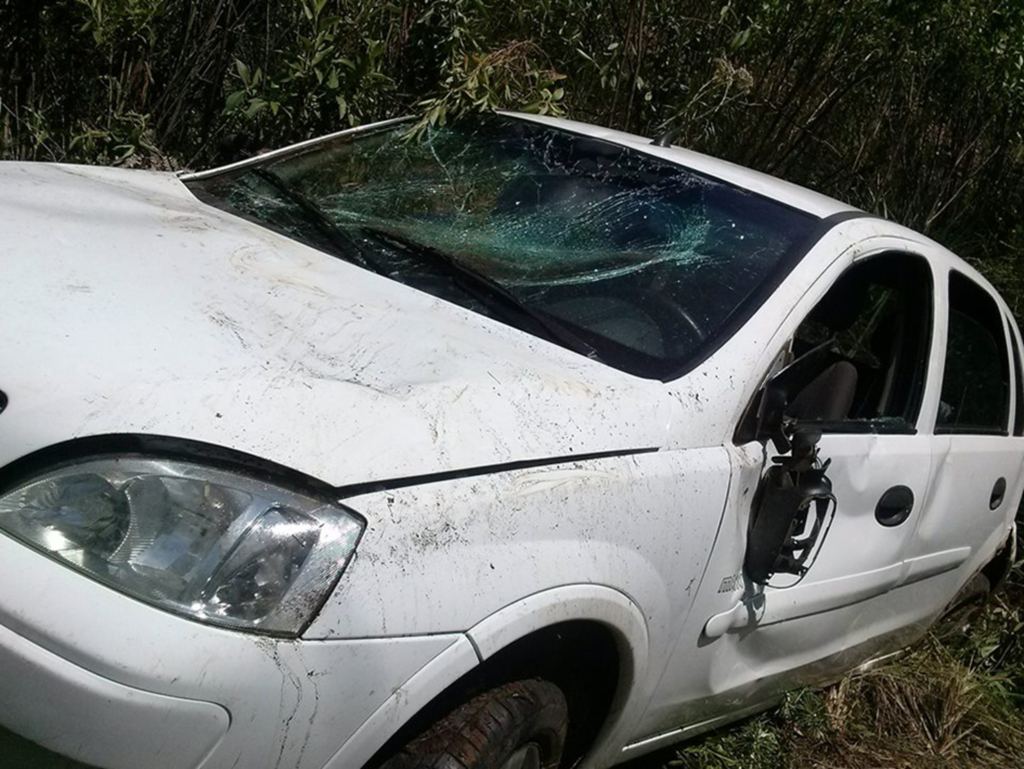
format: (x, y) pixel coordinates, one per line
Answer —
(643, 264)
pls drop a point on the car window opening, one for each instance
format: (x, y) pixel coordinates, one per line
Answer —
(976, 378)
(1018, 379)
(876, 322)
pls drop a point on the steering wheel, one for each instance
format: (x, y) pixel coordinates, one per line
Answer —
(671, 315)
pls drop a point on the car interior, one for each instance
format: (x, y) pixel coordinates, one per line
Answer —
(875, 326)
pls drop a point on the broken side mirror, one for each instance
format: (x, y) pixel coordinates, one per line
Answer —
(792, 509)
(794, 502)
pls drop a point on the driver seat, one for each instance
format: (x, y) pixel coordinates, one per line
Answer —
(829, 396)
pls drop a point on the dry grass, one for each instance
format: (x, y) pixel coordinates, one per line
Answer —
(954, 701)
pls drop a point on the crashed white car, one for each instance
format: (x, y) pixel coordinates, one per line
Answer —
(519, 443)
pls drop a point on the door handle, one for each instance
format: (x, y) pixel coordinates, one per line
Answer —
(998, 494)
(895, 506)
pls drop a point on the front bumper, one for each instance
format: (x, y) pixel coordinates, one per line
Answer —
(110, 682)
(64, 708)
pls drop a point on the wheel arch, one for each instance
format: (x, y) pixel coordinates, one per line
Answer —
(590, 639)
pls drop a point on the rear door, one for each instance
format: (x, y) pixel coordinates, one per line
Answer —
(978, 443)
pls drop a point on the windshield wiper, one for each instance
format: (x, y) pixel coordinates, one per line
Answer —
(342, 242)
(474, 283)
(484, 288)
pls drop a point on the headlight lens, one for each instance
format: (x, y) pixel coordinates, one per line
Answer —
(216, 546)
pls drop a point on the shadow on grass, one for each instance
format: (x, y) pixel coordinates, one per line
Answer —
(19, 753)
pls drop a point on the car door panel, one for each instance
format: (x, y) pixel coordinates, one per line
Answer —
(746, 642)
(959, 515)
(773, 607)
(931, 565)
(863, 468)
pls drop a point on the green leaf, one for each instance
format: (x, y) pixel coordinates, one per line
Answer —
(585, 55)
(233, 101)
(255, 107)
(243, 71)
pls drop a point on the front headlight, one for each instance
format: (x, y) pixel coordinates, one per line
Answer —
(212, 545)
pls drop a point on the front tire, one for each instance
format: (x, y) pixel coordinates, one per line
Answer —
(520, 725)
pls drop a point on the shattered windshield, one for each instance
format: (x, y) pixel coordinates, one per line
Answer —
(623, 257)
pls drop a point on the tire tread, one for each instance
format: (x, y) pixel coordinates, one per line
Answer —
(477, 734)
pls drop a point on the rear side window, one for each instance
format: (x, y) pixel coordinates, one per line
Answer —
(1018, 379)
(976, 379)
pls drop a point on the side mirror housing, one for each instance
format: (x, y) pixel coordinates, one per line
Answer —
(788, 521)
(794, 499)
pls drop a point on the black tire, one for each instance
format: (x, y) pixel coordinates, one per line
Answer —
(512, 720)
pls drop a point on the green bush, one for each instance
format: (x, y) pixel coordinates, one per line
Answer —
(912, 109)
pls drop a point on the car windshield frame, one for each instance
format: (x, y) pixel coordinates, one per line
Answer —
(306, 219)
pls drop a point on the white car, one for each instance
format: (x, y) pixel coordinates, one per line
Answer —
(521, 443)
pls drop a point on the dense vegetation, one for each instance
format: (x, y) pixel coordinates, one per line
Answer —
(910, 108)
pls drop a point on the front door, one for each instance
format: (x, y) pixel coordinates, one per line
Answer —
(872, 333)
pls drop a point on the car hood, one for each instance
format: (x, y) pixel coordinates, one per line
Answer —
(128, 306)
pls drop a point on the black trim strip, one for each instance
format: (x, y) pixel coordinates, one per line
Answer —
(998, 432)
(844, 216)
(124, 444)
(357, 489)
